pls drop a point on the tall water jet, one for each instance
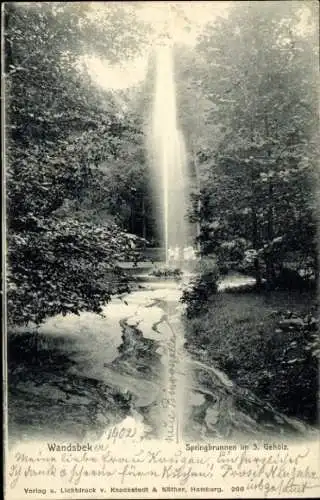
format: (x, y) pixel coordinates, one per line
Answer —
(169, 158)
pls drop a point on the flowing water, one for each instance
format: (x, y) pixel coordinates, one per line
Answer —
(169, 158)
(187, 399)
(131, 369)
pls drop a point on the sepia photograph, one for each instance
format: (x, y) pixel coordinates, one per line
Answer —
(161, 265)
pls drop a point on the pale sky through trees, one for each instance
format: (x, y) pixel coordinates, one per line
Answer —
(182, 19)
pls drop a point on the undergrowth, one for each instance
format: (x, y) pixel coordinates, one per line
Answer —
(166, 272)
(265, 341)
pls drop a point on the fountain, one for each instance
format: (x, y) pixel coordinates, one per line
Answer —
(169, 161)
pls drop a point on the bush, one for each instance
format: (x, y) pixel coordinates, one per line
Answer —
(290, 279)
(201, 287)
(283, 370)
(60, 267)
(166, 272)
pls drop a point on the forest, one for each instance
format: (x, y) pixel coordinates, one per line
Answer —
(79, 200)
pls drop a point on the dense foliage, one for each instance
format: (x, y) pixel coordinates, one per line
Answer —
(255, 82)
(77, 161)
(201, 287)
(60, 127)
(249, 96)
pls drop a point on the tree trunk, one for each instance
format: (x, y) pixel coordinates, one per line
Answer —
(144, 227)
(270, 270)
(132, 218)
(199, 202)
(255, 242)
(255, 230)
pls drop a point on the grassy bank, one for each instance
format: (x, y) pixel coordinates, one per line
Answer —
(263, 341)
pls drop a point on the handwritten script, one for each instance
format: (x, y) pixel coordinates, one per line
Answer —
(251, 470)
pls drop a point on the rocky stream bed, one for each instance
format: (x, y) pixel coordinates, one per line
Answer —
(93, 372)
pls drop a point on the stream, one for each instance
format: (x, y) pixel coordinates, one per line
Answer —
(135, 360)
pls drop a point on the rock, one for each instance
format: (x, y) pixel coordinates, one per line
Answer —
(46, 391)
(288, 324)
(212, 417)
(196, 399)
(77, 400)
(102, 419)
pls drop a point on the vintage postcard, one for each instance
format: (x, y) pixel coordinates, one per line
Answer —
(161, 261)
